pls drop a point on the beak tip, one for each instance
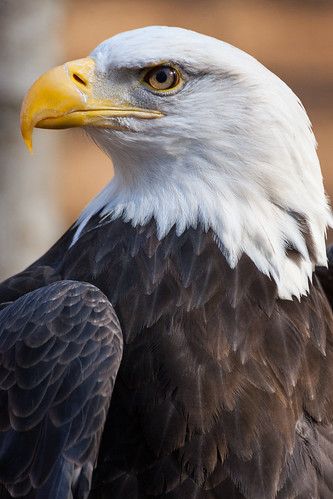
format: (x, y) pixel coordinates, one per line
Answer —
(26, 128)
(27, 138)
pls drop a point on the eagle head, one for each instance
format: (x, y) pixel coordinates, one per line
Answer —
(200, 133)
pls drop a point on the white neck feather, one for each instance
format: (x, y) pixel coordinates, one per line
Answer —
(242, 214)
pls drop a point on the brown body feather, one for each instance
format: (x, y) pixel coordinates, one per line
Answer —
(224, 390)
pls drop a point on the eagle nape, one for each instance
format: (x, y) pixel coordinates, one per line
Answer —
(177, 341)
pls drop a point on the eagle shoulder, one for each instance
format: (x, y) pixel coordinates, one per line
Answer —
(60, 349)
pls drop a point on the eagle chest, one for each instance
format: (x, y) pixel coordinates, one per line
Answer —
(213, 361)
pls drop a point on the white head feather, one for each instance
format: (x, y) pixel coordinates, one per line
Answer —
(234, 152)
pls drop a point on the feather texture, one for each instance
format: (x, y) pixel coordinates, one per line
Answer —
(60, 348)
(220, 379)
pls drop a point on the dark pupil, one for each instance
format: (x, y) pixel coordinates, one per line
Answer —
(161, 76)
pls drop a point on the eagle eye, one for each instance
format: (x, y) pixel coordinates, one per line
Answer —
(162, 78)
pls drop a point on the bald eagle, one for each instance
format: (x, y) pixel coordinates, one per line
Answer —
(177, 341)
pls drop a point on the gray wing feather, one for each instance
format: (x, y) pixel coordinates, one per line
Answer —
(60, 350)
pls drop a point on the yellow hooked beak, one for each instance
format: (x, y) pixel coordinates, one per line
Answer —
(65, 97)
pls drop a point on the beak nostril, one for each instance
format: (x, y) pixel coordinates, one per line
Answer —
(77, 78)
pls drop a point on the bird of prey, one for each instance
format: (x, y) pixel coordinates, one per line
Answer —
(177, 341)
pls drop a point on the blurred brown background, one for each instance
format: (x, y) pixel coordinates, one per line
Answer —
(40, 196)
